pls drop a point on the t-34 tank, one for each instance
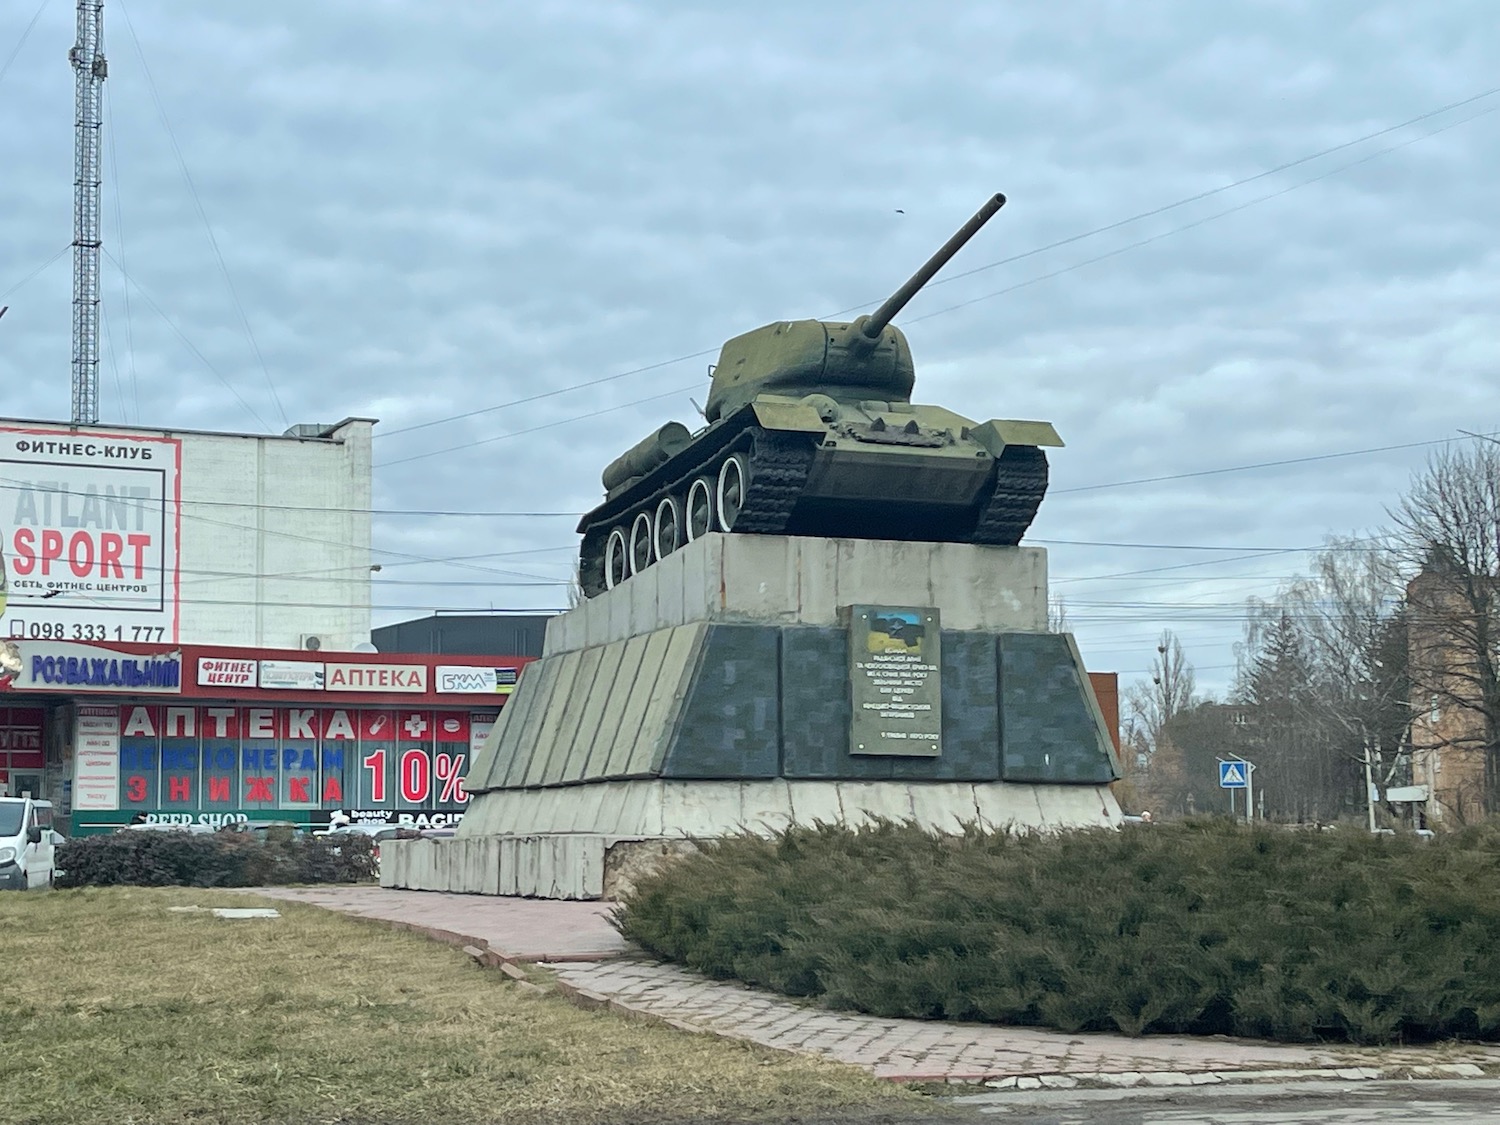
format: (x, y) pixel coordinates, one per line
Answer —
(812, 431)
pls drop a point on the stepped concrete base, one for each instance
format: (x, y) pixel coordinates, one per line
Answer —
(586, 841)
(655, 808)
(712, 694)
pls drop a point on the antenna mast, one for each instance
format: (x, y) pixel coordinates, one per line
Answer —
(89, 67)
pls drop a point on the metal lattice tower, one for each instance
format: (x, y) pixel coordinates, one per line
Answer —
(89, 67)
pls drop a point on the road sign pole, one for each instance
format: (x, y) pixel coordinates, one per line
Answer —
(1249, 793)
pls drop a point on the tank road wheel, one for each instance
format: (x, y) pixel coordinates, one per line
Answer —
(667, 529)
(640, 543)
(734, 478)
(699, 519)
(616, 559)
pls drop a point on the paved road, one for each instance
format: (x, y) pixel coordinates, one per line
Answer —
(1473, 1102)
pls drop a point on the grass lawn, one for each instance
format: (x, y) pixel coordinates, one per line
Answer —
(114, 1009)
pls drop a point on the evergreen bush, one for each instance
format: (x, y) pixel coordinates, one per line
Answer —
(220, 859)
(1200, 927)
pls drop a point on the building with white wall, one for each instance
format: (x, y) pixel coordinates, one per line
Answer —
(117, 533)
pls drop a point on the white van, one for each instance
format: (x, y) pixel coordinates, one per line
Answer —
(27, 843)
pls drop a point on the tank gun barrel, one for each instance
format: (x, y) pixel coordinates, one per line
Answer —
(873, 325)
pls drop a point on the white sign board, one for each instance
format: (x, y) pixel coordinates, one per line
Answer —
(480, 725)
(96, 758)
(221, 672)
(461, 679)
(298, 675)
(90, 527)
(377, 677)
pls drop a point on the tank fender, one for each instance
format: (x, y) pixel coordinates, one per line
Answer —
(777, 413)
(997, 433)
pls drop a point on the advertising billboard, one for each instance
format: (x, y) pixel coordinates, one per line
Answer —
(209, 764)
(90, 525)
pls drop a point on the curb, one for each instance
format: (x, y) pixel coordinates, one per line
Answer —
(477, 947)
(591, 1001)
(1161, 1078)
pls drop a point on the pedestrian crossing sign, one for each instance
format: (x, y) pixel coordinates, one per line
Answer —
(1232, 775)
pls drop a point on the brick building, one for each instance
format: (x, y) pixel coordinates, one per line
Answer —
(1452, 729)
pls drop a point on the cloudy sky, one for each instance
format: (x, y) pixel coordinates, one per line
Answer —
(429, 210)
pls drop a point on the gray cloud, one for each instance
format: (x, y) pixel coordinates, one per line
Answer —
(428, 209)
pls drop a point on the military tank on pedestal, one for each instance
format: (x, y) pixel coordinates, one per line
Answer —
(811, 431)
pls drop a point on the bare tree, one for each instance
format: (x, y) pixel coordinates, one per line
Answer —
(1171, 690)
(1057, 615)
(1150, 707)
(1449, 527)
(576, 596)
(1322, 681)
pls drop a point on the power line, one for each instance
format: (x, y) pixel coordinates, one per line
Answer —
(533, 429)
(1256, 465)
(202, 213)
(554, 394)
(5, 69)
(39, 269)
(1197, 222)
(109, 347)
(114, 167)
(324, 541)
(1151, 546)
(186, 342)
(13, 484)
(1183, 566)
(1040, 250)
(1202, 195)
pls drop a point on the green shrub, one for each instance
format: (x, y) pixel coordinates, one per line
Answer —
(222, 859)
(1200, 927)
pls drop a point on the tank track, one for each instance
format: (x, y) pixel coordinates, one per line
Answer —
(779, 465)
(1020, 484)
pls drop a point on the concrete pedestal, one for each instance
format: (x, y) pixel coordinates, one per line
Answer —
(712, 694)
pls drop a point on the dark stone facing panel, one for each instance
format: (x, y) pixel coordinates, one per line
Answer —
(1048, 730)
(727, 727)
(971, 715)
(765, 701)
(815, 708)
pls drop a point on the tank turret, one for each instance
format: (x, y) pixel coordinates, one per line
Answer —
(811, 430)
(864, 359)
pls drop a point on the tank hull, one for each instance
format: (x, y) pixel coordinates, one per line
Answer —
(778, 467)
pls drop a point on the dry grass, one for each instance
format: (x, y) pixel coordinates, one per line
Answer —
(114, 1009)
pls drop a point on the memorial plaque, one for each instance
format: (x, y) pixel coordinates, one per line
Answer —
(895, 686)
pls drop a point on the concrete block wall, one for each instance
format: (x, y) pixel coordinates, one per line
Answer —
(794, 580)
(548, 866)
(275, 538)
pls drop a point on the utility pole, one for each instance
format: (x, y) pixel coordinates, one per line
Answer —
(90, 69)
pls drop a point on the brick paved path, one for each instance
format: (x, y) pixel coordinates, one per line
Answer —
(922, 1050)
(593, 964)
(524, 929)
